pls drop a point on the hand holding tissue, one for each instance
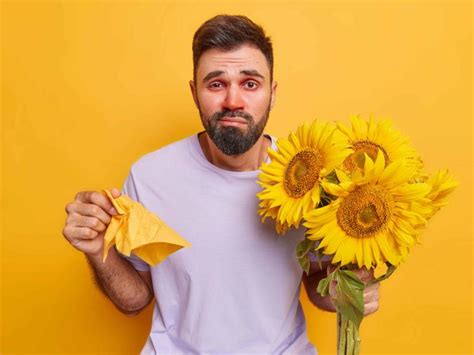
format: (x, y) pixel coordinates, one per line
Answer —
(136, 229)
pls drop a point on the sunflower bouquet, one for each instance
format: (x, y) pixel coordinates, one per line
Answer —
(363, 197)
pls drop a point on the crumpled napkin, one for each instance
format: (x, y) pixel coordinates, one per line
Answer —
(139, 230)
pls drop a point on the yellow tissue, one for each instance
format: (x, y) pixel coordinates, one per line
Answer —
(139, 230)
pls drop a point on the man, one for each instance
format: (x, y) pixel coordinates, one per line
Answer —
(236, 290)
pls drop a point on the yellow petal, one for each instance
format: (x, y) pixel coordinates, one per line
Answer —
(409, 192)
(375, 250)
(379, 164)
(333, 189)
(359, 252)
(336, 241)
(403, 238)
(346, 131)
(367, 250)
(387, 252)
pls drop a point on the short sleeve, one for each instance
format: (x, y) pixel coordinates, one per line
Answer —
(130, 189)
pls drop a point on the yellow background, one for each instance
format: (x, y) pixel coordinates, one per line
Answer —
(90, 86)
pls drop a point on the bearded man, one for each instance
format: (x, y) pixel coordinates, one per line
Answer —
(236, 290)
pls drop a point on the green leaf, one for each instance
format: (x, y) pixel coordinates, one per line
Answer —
(302, 250)
(303, 247)
(323, 285)
(304, 263)
(350, 295)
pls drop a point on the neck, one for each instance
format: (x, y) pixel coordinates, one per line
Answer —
(248, 161)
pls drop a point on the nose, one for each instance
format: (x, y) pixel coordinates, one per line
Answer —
(233, 99)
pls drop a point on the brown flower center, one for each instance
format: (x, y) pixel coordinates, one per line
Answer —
(357, 159)
(364, 211)
(302, 172)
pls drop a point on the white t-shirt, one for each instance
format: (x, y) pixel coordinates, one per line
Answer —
(236, 290)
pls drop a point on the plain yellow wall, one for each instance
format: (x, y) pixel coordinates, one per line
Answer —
(90, 86)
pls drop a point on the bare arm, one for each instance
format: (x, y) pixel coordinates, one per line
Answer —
(129, 290)
(88, 217)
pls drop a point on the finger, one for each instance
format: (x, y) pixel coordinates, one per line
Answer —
(74, 234)
(94, 223)
(370, 297)
(91, 210)
(371, 293)
(115, 192)
(96, 198)
(364, 274)
(374, 288)
(370, 308)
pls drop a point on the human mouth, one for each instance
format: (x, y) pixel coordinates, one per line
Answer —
(233, 121)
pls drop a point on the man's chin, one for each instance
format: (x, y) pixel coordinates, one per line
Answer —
(230, 142)
(231, 130)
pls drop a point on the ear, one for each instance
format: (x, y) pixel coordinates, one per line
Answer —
(274, 87)
(192, 86)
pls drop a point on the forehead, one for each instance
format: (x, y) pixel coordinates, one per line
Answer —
(232, 61)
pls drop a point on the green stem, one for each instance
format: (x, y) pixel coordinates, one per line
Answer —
(341, 348)
(356, 341)
(338, 329)
(348, 339)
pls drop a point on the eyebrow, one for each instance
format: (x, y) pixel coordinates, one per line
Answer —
(212, 75)
(251, 72)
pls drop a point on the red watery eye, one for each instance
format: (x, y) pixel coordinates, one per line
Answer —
(251, 84)
(215, 85)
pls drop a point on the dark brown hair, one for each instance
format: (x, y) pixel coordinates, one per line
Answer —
(227, 32)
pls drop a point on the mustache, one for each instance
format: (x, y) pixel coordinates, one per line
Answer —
(228, 113)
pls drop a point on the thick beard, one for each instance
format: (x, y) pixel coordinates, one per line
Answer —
(233, 140)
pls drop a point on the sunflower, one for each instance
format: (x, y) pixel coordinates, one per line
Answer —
(442, 184)
(371, 221)
(291, 181)
(370, 137)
